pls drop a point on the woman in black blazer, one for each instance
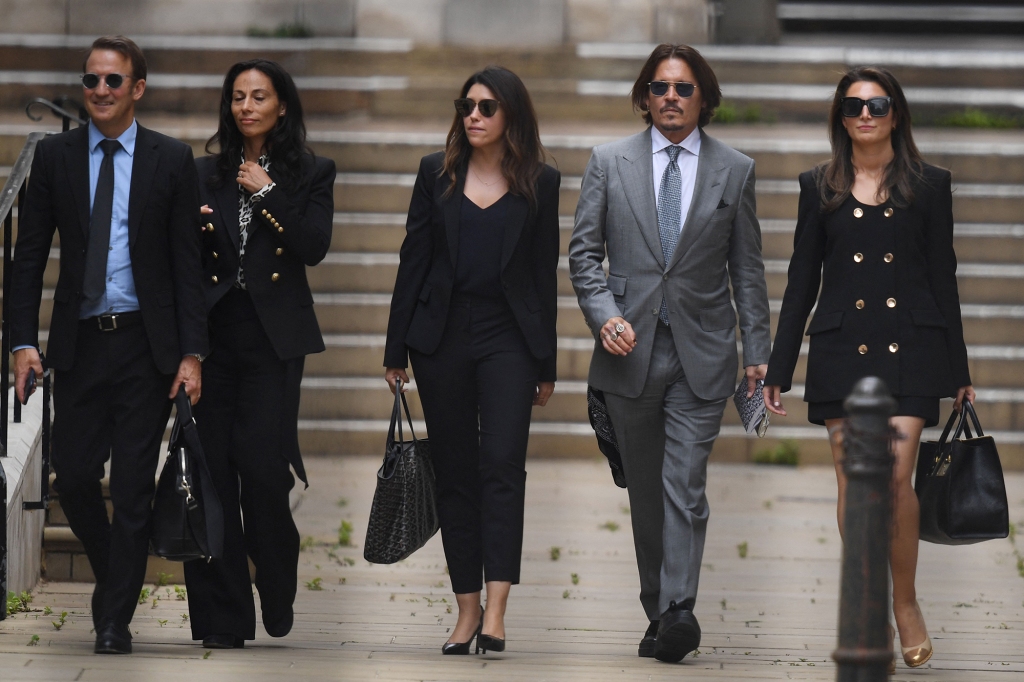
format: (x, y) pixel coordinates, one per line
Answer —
(875, 230)
(474, 306)
(268, 214)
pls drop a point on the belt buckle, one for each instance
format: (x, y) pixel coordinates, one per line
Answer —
(103, 321)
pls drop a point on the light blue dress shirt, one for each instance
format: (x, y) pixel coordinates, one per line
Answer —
(120, 296)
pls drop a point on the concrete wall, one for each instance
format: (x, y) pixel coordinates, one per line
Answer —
(22, 467)
(175, 17)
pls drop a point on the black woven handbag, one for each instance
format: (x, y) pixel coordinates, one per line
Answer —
(960, 486)
(404, 512)
(188, 521)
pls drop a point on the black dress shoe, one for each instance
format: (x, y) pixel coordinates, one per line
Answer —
(281, 626)
(113, 638)
(462, 648)
(489, 643)
(678, 634)
(223, 642)
(647, 643)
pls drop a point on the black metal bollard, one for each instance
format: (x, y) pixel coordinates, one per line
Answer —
(864, 650)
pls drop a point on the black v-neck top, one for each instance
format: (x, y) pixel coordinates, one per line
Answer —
(481, 234)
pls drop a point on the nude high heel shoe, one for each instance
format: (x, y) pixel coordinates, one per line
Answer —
(916, 656)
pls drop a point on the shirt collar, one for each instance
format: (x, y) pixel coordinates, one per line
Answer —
(690, 144)
(127, 138)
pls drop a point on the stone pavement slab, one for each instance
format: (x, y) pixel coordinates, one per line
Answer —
(768, 615)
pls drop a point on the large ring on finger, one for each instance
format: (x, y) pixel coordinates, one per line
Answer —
(619, 327)
(613, 336)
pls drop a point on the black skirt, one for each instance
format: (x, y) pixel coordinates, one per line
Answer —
(925, 407)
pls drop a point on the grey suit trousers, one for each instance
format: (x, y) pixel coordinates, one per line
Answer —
(665, 436)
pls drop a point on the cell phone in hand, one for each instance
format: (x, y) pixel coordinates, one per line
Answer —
(30, 385)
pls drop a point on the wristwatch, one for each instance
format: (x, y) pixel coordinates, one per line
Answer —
(197, 356)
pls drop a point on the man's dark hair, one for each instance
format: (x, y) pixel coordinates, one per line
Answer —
(286, 142)
(707, 82)
(127, 48)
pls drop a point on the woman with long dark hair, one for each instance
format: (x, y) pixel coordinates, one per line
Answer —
(875, 230)
(474, 308)
(268, 214)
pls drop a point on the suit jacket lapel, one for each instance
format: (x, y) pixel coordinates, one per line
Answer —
(518, 212)
(636, 170)
(452, 208)
(144, 165)
(707, 192)
(76, 165)
(226, 198)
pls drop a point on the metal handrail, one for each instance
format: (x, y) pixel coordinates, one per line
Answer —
(59, 110)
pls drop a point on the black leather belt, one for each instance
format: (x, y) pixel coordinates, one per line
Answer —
(109, 323)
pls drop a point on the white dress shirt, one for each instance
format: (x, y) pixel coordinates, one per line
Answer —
(687, 162)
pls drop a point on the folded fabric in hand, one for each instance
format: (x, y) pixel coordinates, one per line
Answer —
(752, 410)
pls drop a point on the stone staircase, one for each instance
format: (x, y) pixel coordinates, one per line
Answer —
(376, 107)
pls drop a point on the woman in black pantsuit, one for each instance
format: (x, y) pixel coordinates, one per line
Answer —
(875, 229)
(268, 214)
(474, 307)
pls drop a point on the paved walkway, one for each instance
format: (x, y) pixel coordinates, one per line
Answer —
(770, 615)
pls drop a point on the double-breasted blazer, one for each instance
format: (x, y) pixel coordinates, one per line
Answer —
(163, 210)
(426, 274)
(720, 244)
(889, 305)
(290, 229)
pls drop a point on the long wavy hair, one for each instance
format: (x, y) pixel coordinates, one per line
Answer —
(836, 176)
(286, 142)
(524, 154)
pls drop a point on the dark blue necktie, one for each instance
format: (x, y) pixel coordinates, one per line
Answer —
(99, 226)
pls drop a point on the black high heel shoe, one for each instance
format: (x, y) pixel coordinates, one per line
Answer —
(462, 648)
(489, 643)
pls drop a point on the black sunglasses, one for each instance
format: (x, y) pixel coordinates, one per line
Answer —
(660, 88)
(877, 106)
(113, 80)
(465, 107)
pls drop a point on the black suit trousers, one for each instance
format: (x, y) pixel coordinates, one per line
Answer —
(477, 393)
(241, 425)
(112, 404)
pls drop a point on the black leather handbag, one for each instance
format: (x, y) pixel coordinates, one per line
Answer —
(188, 521)
(960, 485)
(404, 511)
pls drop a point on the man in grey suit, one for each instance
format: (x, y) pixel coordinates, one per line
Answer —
(675, 211)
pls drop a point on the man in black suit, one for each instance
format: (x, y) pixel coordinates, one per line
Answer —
(128, 321)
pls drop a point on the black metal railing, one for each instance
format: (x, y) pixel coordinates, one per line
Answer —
(59, 109)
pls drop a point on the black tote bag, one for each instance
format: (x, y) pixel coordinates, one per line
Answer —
(960, 485)
(404, 511)
(188, 520)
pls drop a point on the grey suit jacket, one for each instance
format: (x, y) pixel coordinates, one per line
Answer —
(720, 242)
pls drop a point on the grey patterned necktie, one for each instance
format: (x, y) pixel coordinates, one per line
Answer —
(670, 201)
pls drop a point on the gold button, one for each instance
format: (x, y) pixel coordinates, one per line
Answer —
(279, 252)
(214, 278)
(858, 212)
(209, 226)
(860, 304)
(270, 216)
(887, 213)
(887, 258)
(891, 302)
(215, 255)
(858, 257)
(280, 229)
(276, 224)
(862, 349)
(893, 347)
(275, 277)
(264, 211)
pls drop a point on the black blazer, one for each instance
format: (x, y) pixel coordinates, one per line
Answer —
(289, 230)
(164, 246)
(426, 274)
(889, 305)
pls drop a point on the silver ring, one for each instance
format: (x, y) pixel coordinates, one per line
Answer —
(613, 336)
(619, 327)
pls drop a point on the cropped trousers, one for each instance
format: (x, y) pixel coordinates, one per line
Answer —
(477, 393)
